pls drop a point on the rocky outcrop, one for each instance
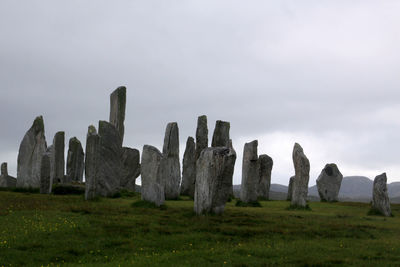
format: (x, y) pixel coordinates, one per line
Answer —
(45, 170)
(57, 161)
(290, 189)
(117, 110)
(30, 154)
(302, 177)
(201, 135)
(221, 134)
(266, 163)
(250, 173)
(380, 198)
(91, 162)
(75, 161)
(189, 169)
(329, 182)
(152, 185)
(170, 167)
(5, 179)
(131, 168)
(214, 173)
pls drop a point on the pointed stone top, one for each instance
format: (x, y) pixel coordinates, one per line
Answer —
(4, 171)
(381, 177)
(92, 130)
(38, 124)
(74, 140)
(171, 140)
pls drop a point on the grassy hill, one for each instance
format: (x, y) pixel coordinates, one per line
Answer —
(38, 230)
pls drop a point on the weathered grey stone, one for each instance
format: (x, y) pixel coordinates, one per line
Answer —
(75, 161)
(290, 189)
(5, 179)
(302, 177)
(45, 170)
(170, 167)
(201, 135)
(380, 198)
(234, 152)
(117, 110)
(189, 169)
(131, 168)
(57, 174)
(214, 173)
(30, 155)
(250, 173)
(152, 185)
(221, 134)
(266, 163)
(91, 162)
(329, 182)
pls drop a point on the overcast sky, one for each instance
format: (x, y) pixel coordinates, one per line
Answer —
(325, 74)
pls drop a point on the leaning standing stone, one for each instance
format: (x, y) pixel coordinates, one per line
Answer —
(290, 189)
(214, 173)
(45, 173)
(189, 169)
(75, 161)
(152, 185)
(221, 134)
(5, 179)
(201, 135)
(266, 163)
(131, 168)
(170, 167)
(329, 182)
(380, 198)
(30, 155)
(91, 162)
(250, 173)
(302, 176)
(117, 110)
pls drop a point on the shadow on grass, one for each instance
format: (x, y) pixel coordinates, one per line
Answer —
(297, 207)
(254, 204)
(375, 212)
(147, 205)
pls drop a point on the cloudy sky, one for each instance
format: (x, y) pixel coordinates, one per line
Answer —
(325, 74)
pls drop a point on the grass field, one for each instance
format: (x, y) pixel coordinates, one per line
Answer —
(38, 230)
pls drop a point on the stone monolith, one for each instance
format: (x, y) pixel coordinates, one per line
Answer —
(201, 135)
(45, 170)
(329, 182)
(57, 174)
(380, 198)
(250, 173)
(152, 185)
(189, 169)
(221, 134)
(131, 168)
(266, 163)
(117, 110)
(5, 179)
(290, 189)
(91, 162)
(302, 176)
(75, 161)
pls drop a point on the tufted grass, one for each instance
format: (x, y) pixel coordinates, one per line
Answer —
(38, 230)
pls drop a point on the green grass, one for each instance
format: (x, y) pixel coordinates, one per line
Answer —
(38, 230)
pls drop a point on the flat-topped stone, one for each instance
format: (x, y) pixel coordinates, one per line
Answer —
(266, 163)
(75, 161)
(250, 173)
(189, 169)
(201, 135)
(380, 198)
(58, 160)
(117, 110)
(5, 179)
(221, 134)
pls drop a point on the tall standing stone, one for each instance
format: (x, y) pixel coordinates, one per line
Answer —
(117, 110)
(5, 179)
(290, 189)
(152, 184)
(201, 135)
(131, 168)
(266, 163)
(329, 182)
(75, 161)
(170, 168)
(58, 160)
(380, 198)
(91, 162)
(214, 173)
(302, 177)
(189, 169)
(221, 134)
(45, 170)
(250, 173)
(30, 155)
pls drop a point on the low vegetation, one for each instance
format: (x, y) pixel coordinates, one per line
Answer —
(65, 230)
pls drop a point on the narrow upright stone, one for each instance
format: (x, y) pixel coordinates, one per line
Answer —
(152, 184)
(91, 162)
(221, 134)
(30, 155)
(189, 169)
(214, 173)
(302, 177)
(75, 161)
(266, 163)
(131, 168)
(380, 198)
(5, 179)
(201, 135)
(250, 173)
(45, 170)
(170, 167)
(329, 182)
(58, 160)
(117, 110)
(290, 189)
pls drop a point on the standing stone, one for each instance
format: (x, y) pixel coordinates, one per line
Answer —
(170, 167)
(214, 173)
(91, 162)
(45, 170)
(30, 155)
(201, 135)
(131, 168)
(75, 161)
(380, 198)
(250, 173)
(221, 134)
(152, 184)
(329, 182)
(266, 163)
(302, 176)
(5, 179)
(117, 110)
(234, 152)
(189, 169)
(58, 160)
(290, 189)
